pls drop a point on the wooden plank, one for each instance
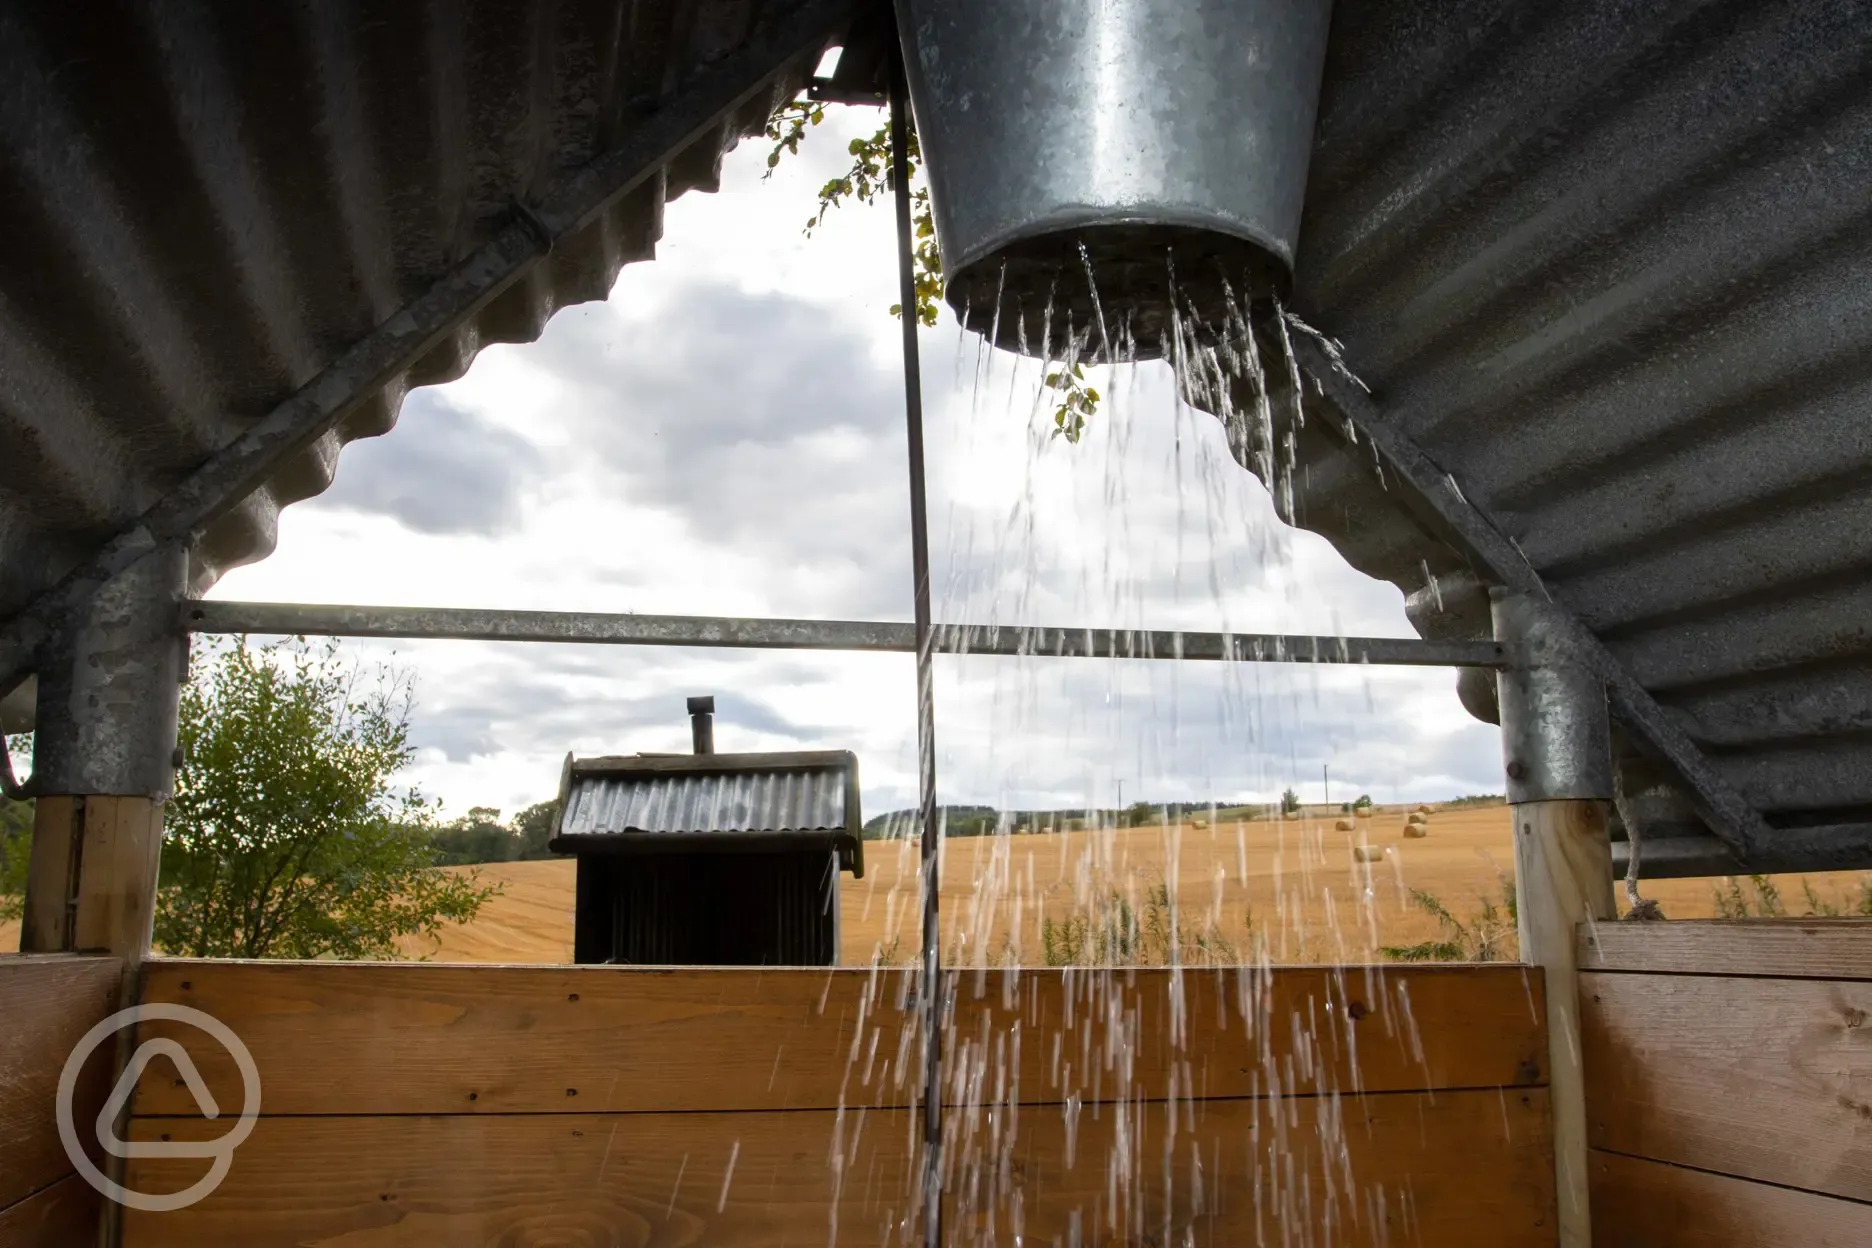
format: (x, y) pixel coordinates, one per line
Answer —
(59, 1216)
(47, 1003)
(1448, 1169)
(411, 1038)
(1767, 1079)
(1648, 1204)
(117, 877)
(1563, 877)
(1789, 948)
(52, 875)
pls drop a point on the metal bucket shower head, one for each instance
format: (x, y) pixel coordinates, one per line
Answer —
(1097, 167)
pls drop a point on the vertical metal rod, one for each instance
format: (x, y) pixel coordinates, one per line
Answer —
(929, 989)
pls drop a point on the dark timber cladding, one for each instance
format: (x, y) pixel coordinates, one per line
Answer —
(533, 1104)
(710, 859)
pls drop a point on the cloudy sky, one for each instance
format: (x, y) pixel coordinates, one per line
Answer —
(724, 436)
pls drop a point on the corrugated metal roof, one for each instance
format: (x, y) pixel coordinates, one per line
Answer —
(675, 803)
(1609, 265)
(1606, 262)
(203, 205)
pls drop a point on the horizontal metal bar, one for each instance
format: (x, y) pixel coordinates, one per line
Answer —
(471, 624)
(1728, 813)
(1783, 851)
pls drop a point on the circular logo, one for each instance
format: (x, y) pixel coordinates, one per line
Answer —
(221, 1150)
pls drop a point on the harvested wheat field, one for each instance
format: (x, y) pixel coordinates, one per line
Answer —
(1291, 890)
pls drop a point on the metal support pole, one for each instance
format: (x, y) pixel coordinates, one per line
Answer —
(104, 757)
(104, 762)
(291, 619)
(1556, 744)
(929, 989)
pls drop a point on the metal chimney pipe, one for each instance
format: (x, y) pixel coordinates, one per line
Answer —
(1154, 149)
(702, 724)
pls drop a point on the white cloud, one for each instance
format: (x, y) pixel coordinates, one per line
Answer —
(725, 436)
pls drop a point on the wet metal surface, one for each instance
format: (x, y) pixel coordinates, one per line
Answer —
(1608, 265)
(1049, 126)
(787, 801)
(207, 207)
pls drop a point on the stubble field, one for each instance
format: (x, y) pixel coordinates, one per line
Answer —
(1289, 889)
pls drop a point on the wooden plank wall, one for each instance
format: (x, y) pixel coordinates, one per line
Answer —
(413, 1104)
(47, 1003)
(1729, 1082)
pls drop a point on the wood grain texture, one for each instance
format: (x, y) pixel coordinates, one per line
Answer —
(1648, 1204)
(1451, 1170)
(117, 877)
(1767, 1079)
(1563, 877)
(405, 1038)
(1788, 948)
(47, 1003)
(52, 875)
(64, 1215)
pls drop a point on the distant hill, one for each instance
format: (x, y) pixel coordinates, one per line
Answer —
(986, 820)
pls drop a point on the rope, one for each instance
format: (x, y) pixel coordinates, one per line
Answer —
(1641, 910)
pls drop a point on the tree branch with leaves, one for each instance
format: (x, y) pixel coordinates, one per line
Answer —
(867, 179)
(288, 836)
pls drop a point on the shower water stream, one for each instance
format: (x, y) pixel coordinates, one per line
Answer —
(1065, 1095)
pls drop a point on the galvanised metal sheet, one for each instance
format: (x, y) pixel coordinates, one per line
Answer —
(776, 801)
(203, 205)
(1610, 264)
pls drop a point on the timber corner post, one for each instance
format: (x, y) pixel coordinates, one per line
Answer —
(1556, 750)
(104, 759)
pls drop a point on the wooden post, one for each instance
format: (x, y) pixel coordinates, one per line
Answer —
(1563, 877)
(1556, 748)
(91, 884)
(116, 900)
(103, 764)
(52, 875)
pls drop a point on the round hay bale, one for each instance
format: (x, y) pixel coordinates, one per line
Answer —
(1416, 831)
(1367, 853)
(1199, 823)
(1361, 812)
(1417, 816)
(1422, 810)
(1345, 825)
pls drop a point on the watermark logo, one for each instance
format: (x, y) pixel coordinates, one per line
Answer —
(220, 1151)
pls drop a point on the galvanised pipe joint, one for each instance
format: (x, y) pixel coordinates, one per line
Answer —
(1556, 733)
(109, 686)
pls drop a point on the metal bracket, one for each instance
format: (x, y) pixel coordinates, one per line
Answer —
(1556, 735)
(1729, 815)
